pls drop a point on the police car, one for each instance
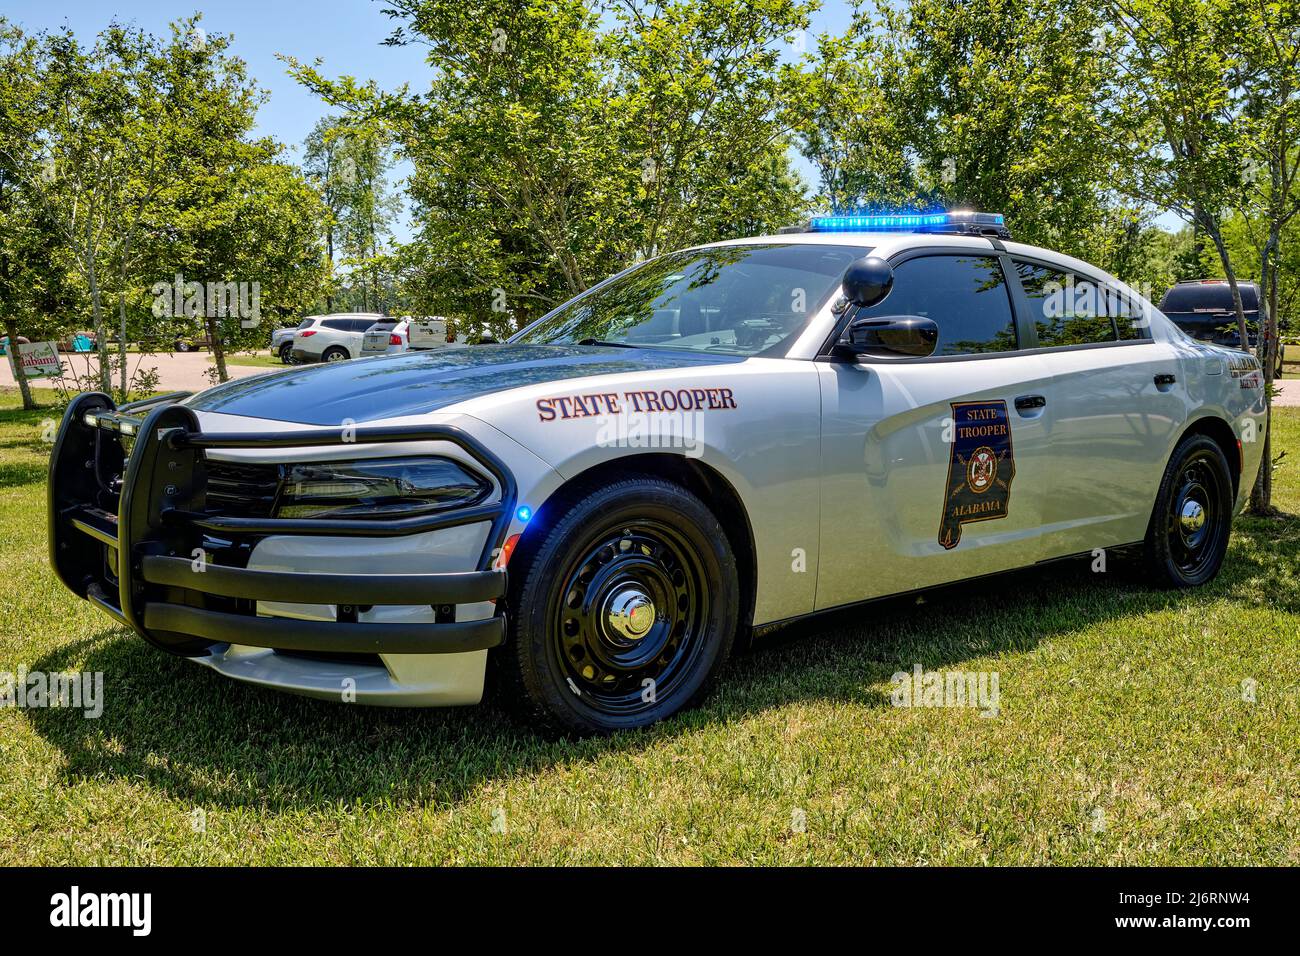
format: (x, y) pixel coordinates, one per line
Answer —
(712, 441)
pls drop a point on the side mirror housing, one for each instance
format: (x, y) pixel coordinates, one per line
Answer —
(891, 336)
(867, 281)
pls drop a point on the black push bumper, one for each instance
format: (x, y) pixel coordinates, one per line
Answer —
(131, 533)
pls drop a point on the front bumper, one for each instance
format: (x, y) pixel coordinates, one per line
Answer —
(134, 536)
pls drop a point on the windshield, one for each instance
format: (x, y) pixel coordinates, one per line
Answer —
(744, 300)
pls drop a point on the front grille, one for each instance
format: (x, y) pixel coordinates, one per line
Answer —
(242, 490)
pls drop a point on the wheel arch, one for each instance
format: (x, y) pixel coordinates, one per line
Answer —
(702, 480)
(1222, 434)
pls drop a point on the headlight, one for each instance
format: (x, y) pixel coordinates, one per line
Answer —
(378, 488)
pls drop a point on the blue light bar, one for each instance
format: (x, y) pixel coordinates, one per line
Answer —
(903, 222)
(963, 222)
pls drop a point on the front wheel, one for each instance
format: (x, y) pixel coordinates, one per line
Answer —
(624, 610)
(1187, 537)
(286, 353)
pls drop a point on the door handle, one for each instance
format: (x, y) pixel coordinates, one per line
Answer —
(1026, 402)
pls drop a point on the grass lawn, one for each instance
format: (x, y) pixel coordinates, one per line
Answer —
(256, 359)
(1123, 736)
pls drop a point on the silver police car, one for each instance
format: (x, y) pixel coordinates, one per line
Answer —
(715, 440)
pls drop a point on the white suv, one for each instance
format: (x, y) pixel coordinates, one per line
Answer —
(332, 338)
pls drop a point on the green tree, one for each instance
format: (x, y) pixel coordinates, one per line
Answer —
(1268, 38)
(1174, 123)
(559, 143)
(991, 104)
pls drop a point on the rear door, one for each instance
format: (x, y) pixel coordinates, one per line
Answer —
(1119, 402)
(935, 469)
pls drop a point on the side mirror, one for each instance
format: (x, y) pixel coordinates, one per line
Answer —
(891, 336)
(867, 281)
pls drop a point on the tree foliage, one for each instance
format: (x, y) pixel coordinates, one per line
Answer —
(559, 143)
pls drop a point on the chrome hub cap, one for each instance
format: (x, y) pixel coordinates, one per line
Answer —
(629, 612)
(1192, 517)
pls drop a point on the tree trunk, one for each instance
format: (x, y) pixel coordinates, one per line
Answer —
(24, 387)
(218, 349)
(121, 313)
(97, 311)
(1231, 275)
(1261, 495)
(329, 247)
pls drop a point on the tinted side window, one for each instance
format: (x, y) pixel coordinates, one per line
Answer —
(361, 325)
(1066, 309)
(1132, 316)
(338, 325)
(966, 295)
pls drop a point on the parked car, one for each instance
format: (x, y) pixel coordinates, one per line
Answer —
(332, 338)
(4, 343)
(384, 338)
(684, 453)
(194, 342)
(1203, 308)
(282, 344)
(415, 334)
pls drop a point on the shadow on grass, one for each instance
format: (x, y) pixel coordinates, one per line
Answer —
(207, 740)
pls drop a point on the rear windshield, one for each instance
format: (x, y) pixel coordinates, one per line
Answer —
(306, 323)
(1211, 297)
(382, 327)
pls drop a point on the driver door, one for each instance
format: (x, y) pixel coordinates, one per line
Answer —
(935, 469)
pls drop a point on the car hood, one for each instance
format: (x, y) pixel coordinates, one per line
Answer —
(411, 383)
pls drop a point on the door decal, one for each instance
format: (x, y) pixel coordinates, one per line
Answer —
(980, 468)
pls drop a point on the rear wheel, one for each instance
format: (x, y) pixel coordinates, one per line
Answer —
(1188, 534)
(624, 611)
(335, 353)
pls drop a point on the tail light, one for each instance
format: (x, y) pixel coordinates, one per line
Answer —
(307, 333)
(394, 339)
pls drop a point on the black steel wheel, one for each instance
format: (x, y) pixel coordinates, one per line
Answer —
(1188, 534)
(626, 607)
(286, 353)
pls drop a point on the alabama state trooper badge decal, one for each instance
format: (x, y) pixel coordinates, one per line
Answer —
(980, 468)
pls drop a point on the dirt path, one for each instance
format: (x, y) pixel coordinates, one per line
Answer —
(177, 371)
(1288, 392)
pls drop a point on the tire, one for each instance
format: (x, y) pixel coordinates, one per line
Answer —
(335, 353)
(286, 353)
(1192, 519)
(584, 655)
(183, 347)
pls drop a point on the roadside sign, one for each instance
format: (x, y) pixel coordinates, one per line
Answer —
(39, 359)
